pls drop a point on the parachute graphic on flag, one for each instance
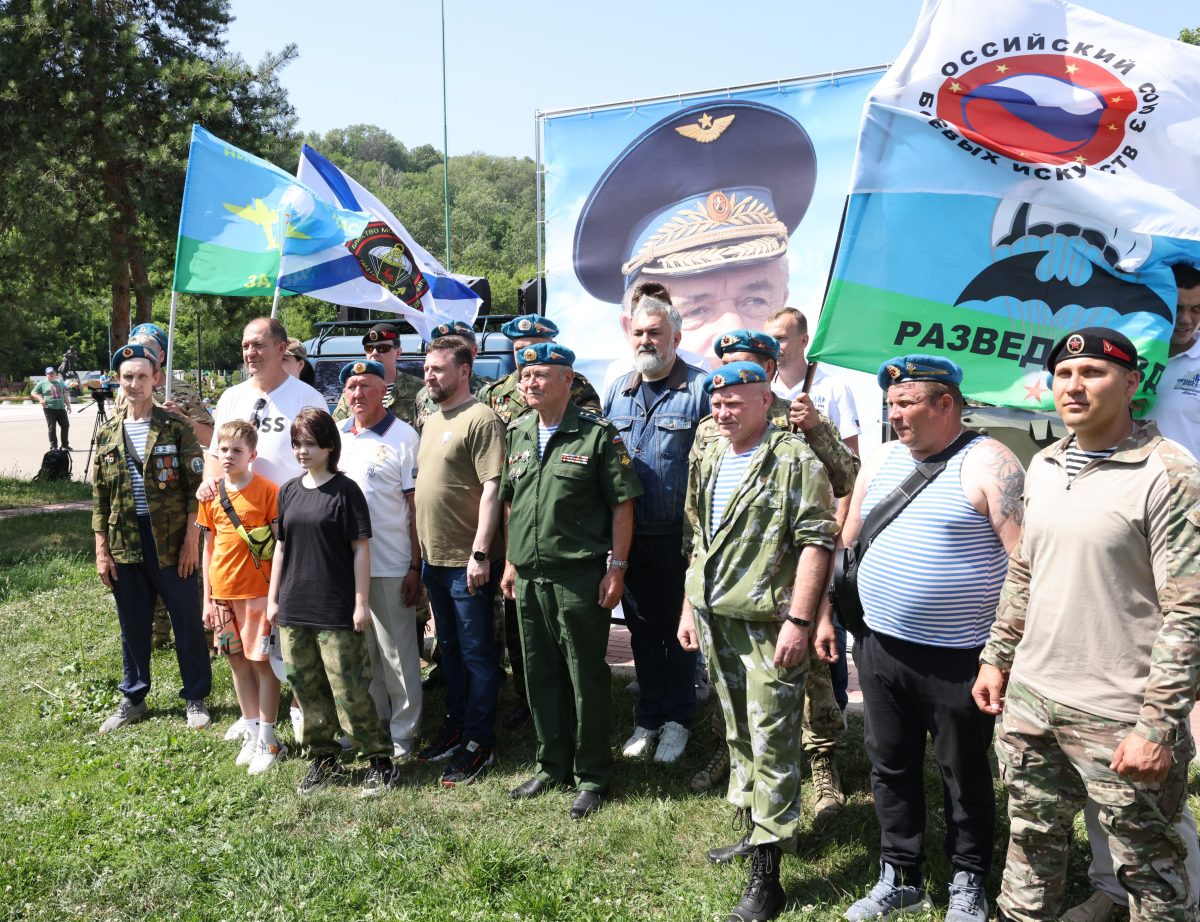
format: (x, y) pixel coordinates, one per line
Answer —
(1025, 168)
(381, 267)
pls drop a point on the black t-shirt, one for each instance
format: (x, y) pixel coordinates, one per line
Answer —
(316, 527)
(652, 390)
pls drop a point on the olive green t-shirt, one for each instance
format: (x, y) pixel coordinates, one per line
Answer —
(459, 452)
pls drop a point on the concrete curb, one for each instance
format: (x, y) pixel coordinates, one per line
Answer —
(53, 507)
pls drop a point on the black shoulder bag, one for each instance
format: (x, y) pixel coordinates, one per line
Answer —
(843, 591)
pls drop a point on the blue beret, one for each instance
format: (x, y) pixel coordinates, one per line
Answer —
(133, 351)
(734, 373)
(454, 328)
(528, 326)
(1095, 343)
(919, 368)
(747, 341)
(154, 331)
(362, 367)
(545, 354)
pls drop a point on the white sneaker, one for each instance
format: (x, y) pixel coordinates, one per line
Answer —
(671, 742)
(236, 729)
(197, 715)
(297, 717)
(249, 747)
(639, 744)
(266, 755)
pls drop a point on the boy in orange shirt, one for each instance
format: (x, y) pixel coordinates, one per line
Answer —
(236, 578)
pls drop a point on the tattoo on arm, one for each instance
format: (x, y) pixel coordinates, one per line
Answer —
(1009, 477)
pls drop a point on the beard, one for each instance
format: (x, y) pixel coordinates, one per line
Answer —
(437, 393)
(652, 364)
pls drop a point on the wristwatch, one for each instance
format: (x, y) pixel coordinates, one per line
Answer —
(479, 556)
(799, 622)
(619, 564)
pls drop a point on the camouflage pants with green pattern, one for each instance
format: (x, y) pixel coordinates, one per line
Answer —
(763, 708)
(1052, 758)
(331, 675)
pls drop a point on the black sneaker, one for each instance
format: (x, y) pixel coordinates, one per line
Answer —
(380, 776)
(447, 742)
(322, 771)
(468, 764)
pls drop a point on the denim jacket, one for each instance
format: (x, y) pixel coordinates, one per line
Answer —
(659, 438)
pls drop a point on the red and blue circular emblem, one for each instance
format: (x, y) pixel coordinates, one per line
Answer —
(1040, 108)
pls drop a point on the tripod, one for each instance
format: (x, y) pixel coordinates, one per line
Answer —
(101, 418)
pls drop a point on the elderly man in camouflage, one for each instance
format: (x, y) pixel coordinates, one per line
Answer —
(1094, 655)
(822, 727)
(762, 529)
(144, 479)
(185, 401)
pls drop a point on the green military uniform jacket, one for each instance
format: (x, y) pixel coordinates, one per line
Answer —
(172, 469)
(561, 512)
(401, 399)
(183, 395)
(426, 406)
(748, 568)
(841, 464)
(504, 396)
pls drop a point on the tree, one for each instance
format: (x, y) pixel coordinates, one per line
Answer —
(1191, 36)
(97, 98)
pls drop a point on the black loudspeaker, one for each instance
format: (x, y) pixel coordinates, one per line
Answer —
(483, 288)
(531, 297)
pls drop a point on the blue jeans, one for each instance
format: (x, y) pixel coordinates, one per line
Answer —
(839, 672)
(470, 659)
(135, 590)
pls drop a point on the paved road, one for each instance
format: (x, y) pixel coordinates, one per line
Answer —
(23, 439)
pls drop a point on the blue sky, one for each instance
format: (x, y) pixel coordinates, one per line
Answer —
(379, 61)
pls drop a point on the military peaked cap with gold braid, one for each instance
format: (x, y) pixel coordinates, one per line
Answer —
(715, 185)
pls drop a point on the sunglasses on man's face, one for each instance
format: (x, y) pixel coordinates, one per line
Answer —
(256, 416)
(380, 348)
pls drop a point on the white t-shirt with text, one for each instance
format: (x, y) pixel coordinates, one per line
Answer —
(1177, 409)
(275, 460)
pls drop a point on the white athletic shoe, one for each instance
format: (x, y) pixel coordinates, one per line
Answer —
(639, 744)
(249, 747)
(236, 729)
(266, 755)
(671, 742)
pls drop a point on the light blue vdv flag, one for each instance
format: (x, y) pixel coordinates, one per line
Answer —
(241, 213)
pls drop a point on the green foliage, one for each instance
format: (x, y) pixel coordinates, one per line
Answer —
(1191, 36)
(89, 198)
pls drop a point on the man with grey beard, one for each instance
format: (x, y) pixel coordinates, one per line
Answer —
(656, 408)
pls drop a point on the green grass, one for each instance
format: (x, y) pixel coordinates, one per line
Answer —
(17, 493)
(156, 822)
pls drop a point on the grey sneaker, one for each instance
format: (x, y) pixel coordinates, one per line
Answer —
(197, 715)
(127, 713)
(887, 897)
(967, 900)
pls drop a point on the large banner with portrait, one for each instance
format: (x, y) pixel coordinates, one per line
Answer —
(732, 199)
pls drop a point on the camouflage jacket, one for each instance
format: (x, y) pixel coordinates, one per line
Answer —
(748, 568)
(183, 395)
(505, 398)
(1100, 610)
(426, 406)
(401, 399)
(173, 470)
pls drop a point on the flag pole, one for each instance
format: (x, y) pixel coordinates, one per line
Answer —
(287, 223)
(171, 344)
(445, 141)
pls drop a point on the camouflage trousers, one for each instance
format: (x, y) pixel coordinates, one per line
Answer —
(330, 672)
(822, 727)
(1052, 759)
(762, 706)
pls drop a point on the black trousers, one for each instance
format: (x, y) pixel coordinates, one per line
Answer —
(57, 420)
(910, 690)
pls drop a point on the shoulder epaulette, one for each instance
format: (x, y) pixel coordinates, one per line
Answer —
(593, 417)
